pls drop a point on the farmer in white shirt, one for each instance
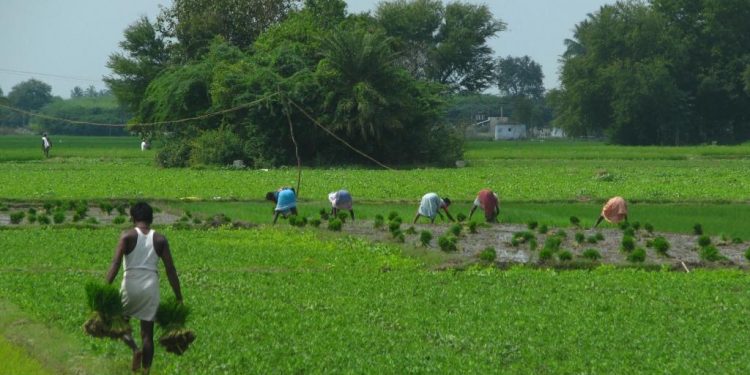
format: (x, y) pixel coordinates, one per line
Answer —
(46, 145)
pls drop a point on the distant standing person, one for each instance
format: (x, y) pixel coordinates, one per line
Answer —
(614, 211)
(46, 145)
(488, 201)
(144, 145)
(341, 200)
(286, 202)
(141, 249)
(430, 207)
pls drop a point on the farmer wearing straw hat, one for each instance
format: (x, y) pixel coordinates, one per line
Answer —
(487, 200)
(341, 200)
(430, 207)
(614, 211)
(141, 249)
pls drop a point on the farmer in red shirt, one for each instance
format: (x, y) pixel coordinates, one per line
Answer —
(487, 200)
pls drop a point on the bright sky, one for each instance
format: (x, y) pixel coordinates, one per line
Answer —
(67, 43)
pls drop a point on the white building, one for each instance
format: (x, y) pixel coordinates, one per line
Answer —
(504, 130)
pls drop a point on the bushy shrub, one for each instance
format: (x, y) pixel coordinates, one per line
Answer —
(591, 254)
(425, 237)
(697, 229)
(334, 225)
(575, 221)
(565, 255)
(532, 225)
(460, 217)
(543, 229)
(710, 254)
(661, 245)
(447, 242)
(627, 244)
(216, 147)
(637, 256)
(174, 154)
(58, 217)
(473, 227)
(17, 217)
(488, 254)
(704, 240)
(580, 237)
(455, 229)
(648, 227)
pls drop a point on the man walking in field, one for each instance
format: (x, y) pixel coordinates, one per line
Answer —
(141, 249)
(46, 145)
(614, 211)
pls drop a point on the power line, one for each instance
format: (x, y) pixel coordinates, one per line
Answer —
(27, 73)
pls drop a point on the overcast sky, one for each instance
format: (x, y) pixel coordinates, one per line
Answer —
(67, 43)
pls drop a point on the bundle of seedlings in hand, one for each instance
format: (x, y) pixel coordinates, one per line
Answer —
(106, 318)
(171, 317)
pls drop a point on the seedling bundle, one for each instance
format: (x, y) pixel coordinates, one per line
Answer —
(171, 318)
(106, 318)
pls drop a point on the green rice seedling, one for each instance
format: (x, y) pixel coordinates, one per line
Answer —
(697, 229)
(552, 243)
(70, 205)
(379, 221)
(394, 226)
(410, 230)
(629, 232)
(711, 254)
(197, 221)
(315, 222)
(637, 256)
(648, 227)
(76, 217)
(3, 207)
(156, 209)
(580, 237)
(292, 220)
(565, 255)
(523, 237)
(400, 238)
(121, 209)
(649, 244)
(561, 233)
(543, 229)
(591, 254)
(747, 254)
(473, 227)
(575, 221)
(31, 211)
(58, 217)
(460, 217)
(17, 217)
(546, 254)
(342, 216)
(43, 219)
(627, 244)
(184, 219)
(624, 225)
(324, 214)
(425, 237)
(532, 244)
(737, 240)
(447, 242)
(31, 218)
(599, 236)
(106, 319)
(704, 240)
(119, 219)
(392, 215)
(106, 207)
(171, 318)
(636, 225)
(301, 221)
(515, 242)
(92, 220)
(488, 255)
(532, 225)
(334, 225)
(591, 239)
(455, 229)
(661, 245)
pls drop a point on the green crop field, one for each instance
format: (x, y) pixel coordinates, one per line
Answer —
(284, 300)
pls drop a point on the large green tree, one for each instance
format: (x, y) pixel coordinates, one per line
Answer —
(30, 95)
(443, 43)
(520, 76)
(98, 108)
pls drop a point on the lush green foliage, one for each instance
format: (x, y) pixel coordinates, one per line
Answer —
(661, 245)
(99, 109)
(488, 254)
(637, 256)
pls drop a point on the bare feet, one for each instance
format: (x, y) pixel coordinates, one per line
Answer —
(137, 358)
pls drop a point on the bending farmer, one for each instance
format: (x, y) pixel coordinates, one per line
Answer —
(487, 201)
(341, 200)
(430, 207)
(286, 202)
(141, 248)
(614, 211)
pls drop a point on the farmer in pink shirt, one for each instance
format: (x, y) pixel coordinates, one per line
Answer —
(614, 211)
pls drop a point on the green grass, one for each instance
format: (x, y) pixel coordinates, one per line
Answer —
(29, 148)
(271, 300)
(15, 361)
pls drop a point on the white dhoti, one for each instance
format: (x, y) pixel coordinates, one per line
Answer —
(140, 294)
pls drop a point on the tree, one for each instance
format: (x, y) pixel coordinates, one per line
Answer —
(144, 58)
(101, 109)
(444, 44)
(520, 76)
(77, 92)
(29, 95)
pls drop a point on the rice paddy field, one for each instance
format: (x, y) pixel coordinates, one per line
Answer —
(279, 299)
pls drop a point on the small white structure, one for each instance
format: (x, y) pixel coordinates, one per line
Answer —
(557, 133)
(505, 130)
